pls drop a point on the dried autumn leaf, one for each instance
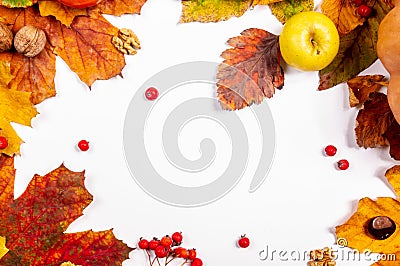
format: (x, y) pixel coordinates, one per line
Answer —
(34, 223)
(17, 3)
(15, 106)
(62, 13)
(119, 7)
(217, 10)
(5, 73)
(356, 234)
(86, 47)
(343, 14)
(285, 9)
(3, 249)
(393, 136)
(251, 70)
(360, 88)
(393, 176)
(357, 49)
(373, 121)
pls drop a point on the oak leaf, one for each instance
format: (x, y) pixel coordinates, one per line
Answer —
(15, 106)
(286, 9)
(361, 87)
(34, 223)
(217, 10)
(251, 70)
(343, 14)
(373, 121)
(355, 232)
(357, 50)
(62, 13)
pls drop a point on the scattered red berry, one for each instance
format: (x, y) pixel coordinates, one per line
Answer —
(151, 94)
(83, 145)
(178, 251)
(364, 11)
(143, 244)
(343, 164)
(192, 254)
(161, 252)
(3, 142)
(184, 254)
(153, 244)
(177, 237)
(244, 242)
(197, 262)
(330, 150)
(166, 241)
(358, 2)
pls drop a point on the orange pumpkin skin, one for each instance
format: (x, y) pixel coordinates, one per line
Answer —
(79, 3)
(388, 50)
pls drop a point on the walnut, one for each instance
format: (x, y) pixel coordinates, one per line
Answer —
(126, 42)
(29, 41)
(6, 38)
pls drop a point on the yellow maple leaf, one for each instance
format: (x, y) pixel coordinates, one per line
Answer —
(15, 106)
(355, 230)
(3, 249)
(61, 12)
(343, 14)
(217, 10)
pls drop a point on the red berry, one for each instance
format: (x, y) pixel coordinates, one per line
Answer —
(166, 241)
(178, 251)
(161, 252)
(184, 253)
(244, 242)
(143, 244)
(83, 145)
(197, 262)
(153, 244)
(177, 237)
(3, 142)
(343, 164)
(358, 2)
(192, 254)
(364, 11)
(330, 150)
(151, 94)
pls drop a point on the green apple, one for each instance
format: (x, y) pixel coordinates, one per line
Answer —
(309, 41)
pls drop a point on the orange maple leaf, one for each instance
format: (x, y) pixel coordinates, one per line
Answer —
(355, 230)
(34, 223)
(251, 70)
(86, 47)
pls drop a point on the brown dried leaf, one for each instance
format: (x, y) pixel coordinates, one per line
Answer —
(343, 14)
(360, 87)
(373, 121)
(62, 13)
(119, 7)
(393, 136)
(251, 70)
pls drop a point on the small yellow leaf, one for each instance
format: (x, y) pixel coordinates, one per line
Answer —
(62, 13)
(15, 106)
(283, 10)
(3, 249)
(393, 176)
(68, 264)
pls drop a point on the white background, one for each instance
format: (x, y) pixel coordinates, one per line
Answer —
(298, 206)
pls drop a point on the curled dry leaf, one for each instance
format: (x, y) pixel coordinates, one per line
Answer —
(373, 121)
(34, 223)
(357, 50)
(343, 14)
(62, 13)
(217, 10)
(355, 229)
(251, 70)
(360, 88)
(283, 10)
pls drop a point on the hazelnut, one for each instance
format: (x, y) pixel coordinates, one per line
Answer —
(6, 38)
(29, 41)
